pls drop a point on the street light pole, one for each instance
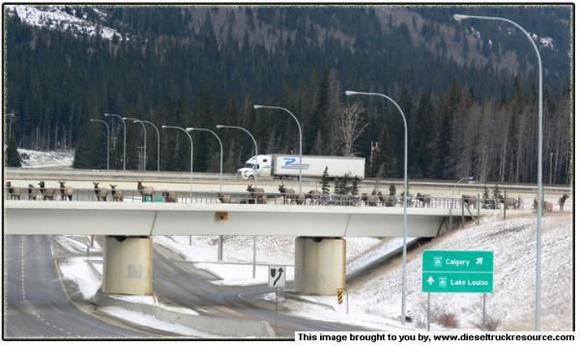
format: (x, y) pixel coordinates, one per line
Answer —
(452, 195)
(124, 137)
(190, 162)
(299, 134)
(551, 156)
(253, 140)
(221, 150)
(158, 140)
(108, 136)
(144, 141)
(11, 117)
(405, 231)
(255, 165)
(221, 237)
(540, 198)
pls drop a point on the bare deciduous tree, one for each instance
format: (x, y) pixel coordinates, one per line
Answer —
(350, 125)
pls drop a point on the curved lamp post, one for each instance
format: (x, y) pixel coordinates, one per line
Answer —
(124, 137)
(299, 134)
(158, 140)
(253, 140)
(135, 121)
(405, 232)
(221, 237)
(540, 197)
(190, 161)
(255, 165)
(11, 118)
(221, 150)
(108, 136)
(453, 193)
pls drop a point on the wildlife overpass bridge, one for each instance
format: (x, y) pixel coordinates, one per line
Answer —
(320, 259)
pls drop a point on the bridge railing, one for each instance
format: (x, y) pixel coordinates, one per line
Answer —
(197, 197)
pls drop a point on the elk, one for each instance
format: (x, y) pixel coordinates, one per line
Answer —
(562, 200)
(31, 191)
(373, 199)
(47, 194)
(425, 199)
(287, 194)
(314, 196)
(257, 195)
(13, 192)
(510, 202)
(115, 194)
(145, 191)
(548, 206)
(224, 198)
(101, 193)
(469, 201)
(170, 197)
(65, 192)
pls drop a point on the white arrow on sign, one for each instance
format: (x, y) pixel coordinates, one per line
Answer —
(479, 260)
(276, 276)
(430, 280)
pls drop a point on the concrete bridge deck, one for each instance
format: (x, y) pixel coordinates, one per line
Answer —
(146, 219)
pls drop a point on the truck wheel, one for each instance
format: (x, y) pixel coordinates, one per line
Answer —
(251, 177)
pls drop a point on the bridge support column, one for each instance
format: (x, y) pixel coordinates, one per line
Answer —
(319, 265)
(128, 265)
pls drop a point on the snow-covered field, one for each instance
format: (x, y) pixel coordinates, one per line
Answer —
(376, 303)
(511, 303)
(148, 320)
(43, 159)
(237, 266)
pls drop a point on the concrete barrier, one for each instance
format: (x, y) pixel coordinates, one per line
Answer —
(220, 327)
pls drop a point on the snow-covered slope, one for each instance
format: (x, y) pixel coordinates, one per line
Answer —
(40, 159)
(512, 301)
(56, 18)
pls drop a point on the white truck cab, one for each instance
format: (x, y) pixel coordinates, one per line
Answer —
(263, 167)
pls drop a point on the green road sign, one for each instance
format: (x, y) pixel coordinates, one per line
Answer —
(458, 282)
(154, 199)
(457, 271)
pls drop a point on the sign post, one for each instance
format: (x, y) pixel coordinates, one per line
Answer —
(276, 279)
(457, 272)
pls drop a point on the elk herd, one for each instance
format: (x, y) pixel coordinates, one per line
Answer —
(257, 195)
(65, 193)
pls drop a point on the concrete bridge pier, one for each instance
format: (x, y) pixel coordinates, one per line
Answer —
(319, 265)
(128, 265)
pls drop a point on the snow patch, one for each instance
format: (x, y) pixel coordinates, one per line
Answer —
(78, 270)
(152, 322)
(40, 159)
(241, 274)
(55, 18)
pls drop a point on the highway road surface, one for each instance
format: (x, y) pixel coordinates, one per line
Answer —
(36, 305)
(180, 283)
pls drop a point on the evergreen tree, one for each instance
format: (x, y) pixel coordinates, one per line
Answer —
(485, 193)
(354, 188)
(325, 182)
(11, 154)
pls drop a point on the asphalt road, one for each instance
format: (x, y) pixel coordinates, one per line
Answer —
(179, 283)
(35, 303)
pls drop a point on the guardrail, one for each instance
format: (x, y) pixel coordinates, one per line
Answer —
(134, 196)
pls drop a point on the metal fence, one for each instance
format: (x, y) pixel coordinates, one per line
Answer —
(195, 197)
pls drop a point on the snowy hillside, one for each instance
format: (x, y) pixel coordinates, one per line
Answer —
(56, 18)
(42, 159)
(511, 303)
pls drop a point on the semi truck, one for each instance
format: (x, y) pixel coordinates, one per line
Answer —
(288, 165)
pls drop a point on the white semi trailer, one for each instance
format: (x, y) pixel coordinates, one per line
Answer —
(288, 165)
